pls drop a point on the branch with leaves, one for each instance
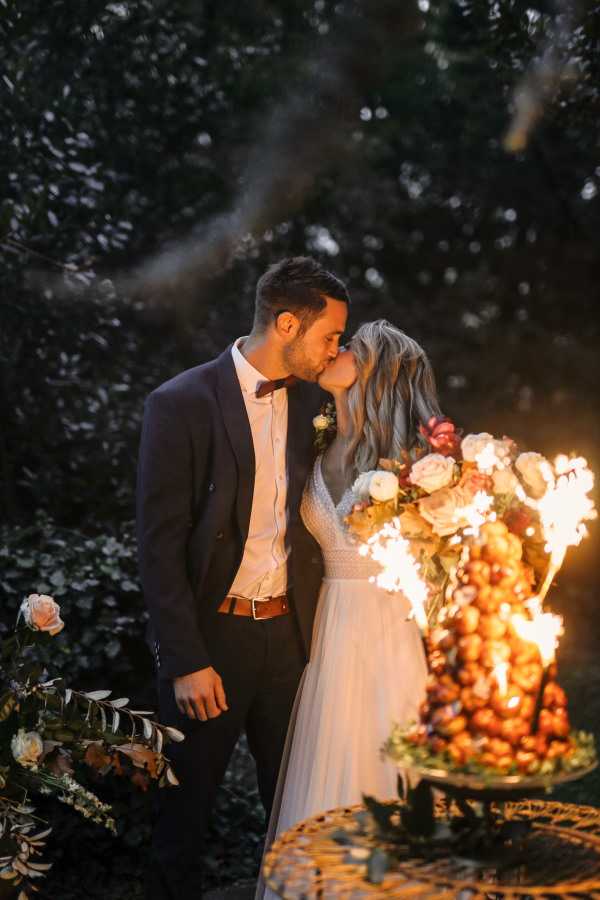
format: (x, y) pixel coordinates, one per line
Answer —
(48, 730)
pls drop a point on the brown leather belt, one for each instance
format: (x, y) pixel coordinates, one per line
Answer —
(258, 609)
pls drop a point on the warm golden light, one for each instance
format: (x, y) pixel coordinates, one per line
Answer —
(400, 570)
(544, 629)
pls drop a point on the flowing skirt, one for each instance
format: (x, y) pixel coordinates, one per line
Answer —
(367, 671)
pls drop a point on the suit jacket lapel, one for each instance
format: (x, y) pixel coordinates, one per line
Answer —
(233, 410)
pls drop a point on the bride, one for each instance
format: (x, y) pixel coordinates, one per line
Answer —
(367, 669)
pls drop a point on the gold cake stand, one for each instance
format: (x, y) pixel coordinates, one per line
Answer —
(561, 859)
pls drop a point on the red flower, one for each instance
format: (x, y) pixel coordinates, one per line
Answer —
(441, 434)
(518, 520)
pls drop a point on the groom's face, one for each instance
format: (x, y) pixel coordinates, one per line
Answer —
(309, 353)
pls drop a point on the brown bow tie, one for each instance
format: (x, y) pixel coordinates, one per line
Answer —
(267, 387)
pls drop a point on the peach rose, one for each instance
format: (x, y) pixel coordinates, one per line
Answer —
(504, 481)
(27, 748)
(443, 510)
(536, 472)
(41, 613)
(432, 472)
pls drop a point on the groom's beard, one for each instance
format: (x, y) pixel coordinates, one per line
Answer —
(298, 362)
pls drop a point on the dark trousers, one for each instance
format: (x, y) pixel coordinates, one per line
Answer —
(261, 663)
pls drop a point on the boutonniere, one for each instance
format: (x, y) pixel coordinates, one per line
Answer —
(325, 426)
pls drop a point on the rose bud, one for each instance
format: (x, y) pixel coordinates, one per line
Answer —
(471, 701)
(493, 653)
(470, 673)
(554, 696)
(485, 721)
(528, 677)
(491, 627)
(508, 704)
(514, 730)
(469, 647)
(466, 620)
(526, 761)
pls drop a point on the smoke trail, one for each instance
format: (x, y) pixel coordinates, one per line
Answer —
(306, 132)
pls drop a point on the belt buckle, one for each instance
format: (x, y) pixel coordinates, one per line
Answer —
(257, 600)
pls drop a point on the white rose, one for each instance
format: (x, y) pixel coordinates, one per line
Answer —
(536, 472)
(41, 613)
(504, 481)
(443, 510)
(27, 747)
(361, 485)
(320, 422)
(432, 472)
(383, 486)
(473, 444)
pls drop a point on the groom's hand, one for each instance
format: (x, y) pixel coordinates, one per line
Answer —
(200, 695)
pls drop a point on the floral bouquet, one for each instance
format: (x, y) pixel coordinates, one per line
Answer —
(440, 493)
(47, 731)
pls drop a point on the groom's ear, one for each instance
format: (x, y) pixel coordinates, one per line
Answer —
(287, 325)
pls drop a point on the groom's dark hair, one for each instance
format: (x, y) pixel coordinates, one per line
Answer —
(298, 284)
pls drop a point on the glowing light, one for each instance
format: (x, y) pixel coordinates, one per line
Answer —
(500, 673)
(400, 570)
(487, 459)
(544, 629)
(476, 513)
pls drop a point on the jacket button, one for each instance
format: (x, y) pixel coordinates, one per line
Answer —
(219, 535)
(211, 487)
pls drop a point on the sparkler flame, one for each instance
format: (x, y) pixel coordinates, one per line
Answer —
(566, 506)
(544, 629)
(400, 570)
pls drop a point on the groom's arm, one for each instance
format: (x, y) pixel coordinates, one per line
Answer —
(164, 498)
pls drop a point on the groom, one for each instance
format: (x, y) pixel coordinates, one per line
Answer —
(229, 573)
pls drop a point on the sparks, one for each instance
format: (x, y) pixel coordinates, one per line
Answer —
(400, 570)
(544, 629)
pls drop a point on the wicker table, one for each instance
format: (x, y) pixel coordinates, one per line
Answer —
(562, 859)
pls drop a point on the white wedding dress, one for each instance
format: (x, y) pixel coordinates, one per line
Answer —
(366, 672)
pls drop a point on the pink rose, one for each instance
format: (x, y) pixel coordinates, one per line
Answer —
(41, 613)
(443, 510)
(432, 472)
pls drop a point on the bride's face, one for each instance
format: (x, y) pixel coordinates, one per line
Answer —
(340, 374)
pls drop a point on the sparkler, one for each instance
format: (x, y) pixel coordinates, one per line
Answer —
(563, 510)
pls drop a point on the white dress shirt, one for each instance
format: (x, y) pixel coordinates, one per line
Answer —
(263, 570)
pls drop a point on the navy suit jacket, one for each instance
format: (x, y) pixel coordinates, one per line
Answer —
(194, 498)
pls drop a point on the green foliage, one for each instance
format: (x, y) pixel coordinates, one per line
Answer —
(94, 580)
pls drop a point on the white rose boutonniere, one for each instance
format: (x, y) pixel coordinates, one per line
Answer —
(432, 472)
(320, 422)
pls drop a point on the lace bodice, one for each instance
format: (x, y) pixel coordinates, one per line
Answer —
(324, 520)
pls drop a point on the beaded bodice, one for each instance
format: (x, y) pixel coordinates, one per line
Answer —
(324, 520)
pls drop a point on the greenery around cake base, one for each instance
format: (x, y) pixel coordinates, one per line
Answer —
(406, 754)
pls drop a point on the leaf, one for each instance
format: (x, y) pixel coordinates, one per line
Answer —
(171, 776)
(141, 712)
(175, 734)
(148, 729)
(158, 740)
(119, 703)
(102, 718)
(115, 721)
(97, 695)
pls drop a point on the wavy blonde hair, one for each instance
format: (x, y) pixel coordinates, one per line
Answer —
(393, 394)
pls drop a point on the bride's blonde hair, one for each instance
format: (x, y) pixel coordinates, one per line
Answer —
(393, 394)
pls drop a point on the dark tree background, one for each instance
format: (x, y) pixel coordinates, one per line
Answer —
(368, 137)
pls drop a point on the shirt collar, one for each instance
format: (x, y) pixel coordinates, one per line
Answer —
(248, 376)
